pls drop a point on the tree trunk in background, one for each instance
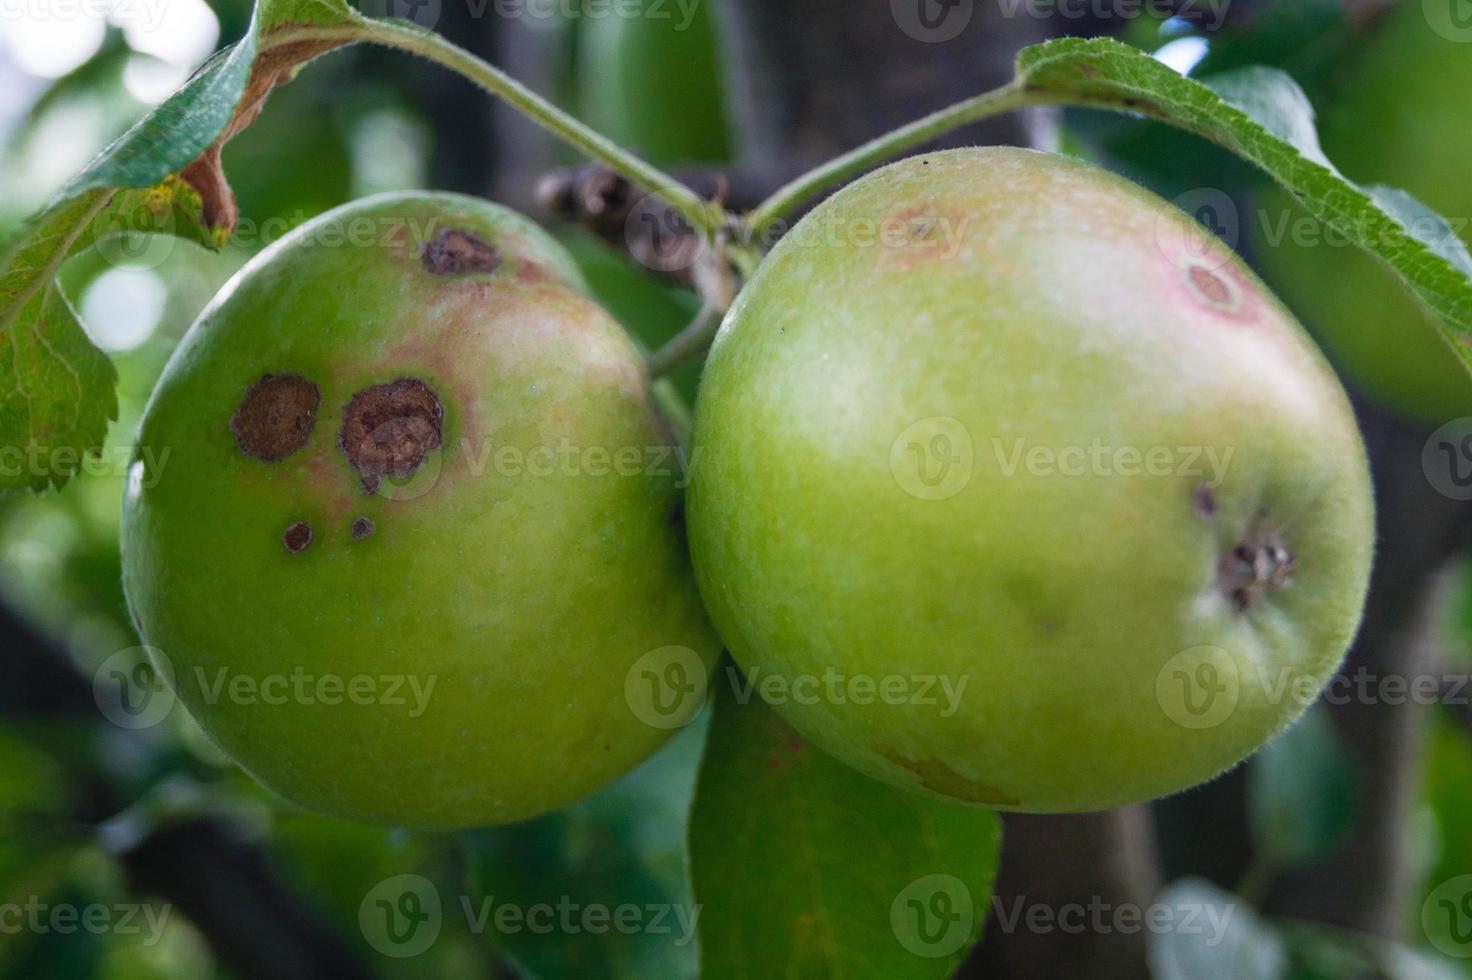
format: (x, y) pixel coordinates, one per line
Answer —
(809, 81)
(535, 53)
(1365, 883)
(1069, 861)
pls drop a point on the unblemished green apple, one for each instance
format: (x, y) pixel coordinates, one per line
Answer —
(1010, 486)
(1400, 120)
(405, 517)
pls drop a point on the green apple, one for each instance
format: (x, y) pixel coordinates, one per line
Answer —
(1012, 487)
(1400, 120)
(404, 518)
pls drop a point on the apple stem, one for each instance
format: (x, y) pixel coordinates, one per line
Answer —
(718, 275)
(705, 216)
(688, 343)
(859, 160)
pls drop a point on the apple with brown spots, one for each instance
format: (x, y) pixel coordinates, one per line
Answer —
(1012, 486)
(385, 552)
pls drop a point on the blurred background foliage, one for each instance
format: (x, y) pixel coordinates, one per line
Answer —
(93, 813)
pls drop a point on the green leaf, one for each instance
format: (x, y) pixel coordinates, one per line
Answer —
(598, 889)
(57, 390)
(646, 75)
(804, 867)
(1212, 935)
(1302, 792)
(1261, 115)
(1444, 909)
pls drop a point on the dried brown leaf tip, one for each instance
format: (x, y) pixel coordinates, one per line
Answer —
(275, 65)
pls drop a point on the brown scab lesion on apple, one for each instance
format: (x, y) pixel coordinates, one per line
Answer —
(455, 251)
(1212, 287)
(297, 537)
(388, 429)
(276, 416)
(1220, 290)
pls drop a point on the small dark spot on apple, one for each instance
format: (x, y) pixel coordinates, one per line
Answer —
(362, 527)
(1205, 499)
(297, 537)
(1210, 285)
(388, 429)
(677, 515)
(276, 416)
(455, 251)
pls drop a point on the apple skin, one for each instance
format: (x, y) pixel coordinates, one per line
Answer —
(1400, 120)
(1038, 298)
(524, 597)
